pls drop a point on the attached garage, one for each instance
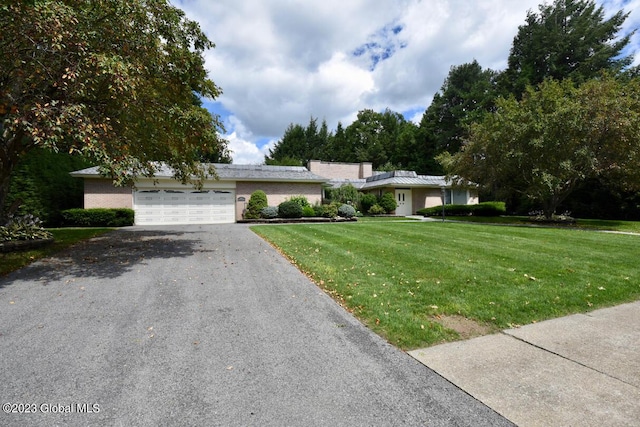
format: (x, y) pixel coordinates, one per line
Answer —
(162, 200)
(183, 206)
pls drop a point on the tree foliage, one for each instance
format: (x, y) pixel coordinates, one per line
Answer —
(565, 39)
(568, 40)
(115, 81)
(380, 138)
(41, 185)
(556, 137)
(466, 95)
(291, 150)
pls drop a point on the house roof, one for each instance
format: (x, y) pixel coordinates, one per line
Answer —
(337, 183)
(231, 172)
(394, 179)
(405, 179)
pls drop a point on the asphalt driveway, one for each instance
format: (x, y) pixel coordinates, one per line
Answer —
(201, 325)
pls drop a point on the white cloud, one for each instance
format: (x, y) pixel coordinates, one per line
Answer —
(244, 152)
(283, 61)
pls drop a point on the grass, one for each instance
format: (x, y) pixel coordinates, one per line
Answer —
(384, 218)
(63, 238)
(589, 224)
(402, 278)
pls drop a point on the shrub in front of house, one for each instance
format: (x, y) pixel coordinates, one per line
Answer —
(257, 202)
(376, 210)
(300, 200)
(289, 209)
(367, 201)
(98, 217)
(346, 194)
(330, 210)
(388, 202)
(453, 210)
(346, 211)
(308, 212)
(23, 227)
(489, 209)
(481, 209)
(318, 209)
(269, 212)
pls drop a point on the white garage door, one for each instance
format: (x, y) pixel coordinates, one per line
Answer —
(156, 207)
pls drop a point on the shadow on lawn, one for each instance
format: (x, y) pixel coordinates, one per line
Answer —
(109, 255)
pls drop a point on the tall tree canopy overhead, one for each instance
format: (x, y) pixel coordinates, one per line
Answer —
(557, 136)
(116, 81)
(466, 95)
(566, 39)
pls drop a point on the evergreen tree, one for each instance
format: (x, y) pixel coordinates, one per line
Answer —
(290, 148)
(337, 149)
(466, 95)
(566, 39)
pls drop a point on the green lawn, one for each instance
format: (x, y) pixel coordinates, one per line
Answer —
(403, 279)
(63, 238)
(589, 224)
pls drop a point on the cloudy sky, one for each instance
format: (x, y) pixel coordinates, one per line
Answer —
(284, 61)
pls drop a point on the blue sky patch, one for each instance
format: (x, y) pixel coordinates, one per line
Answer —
(381, 46)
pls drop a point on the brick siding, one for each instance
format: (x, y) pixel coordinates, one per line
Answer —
(101, 193)
(332, 170)
(277, 192)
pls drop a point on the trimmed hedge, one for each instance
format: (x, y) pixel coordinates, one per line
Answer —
(289, 209)
(99, 217)
(346, 211)
(481, 209)
(388, 202)
(490, 209)
(327, 211)
(367, 201)
(300, 200)
(308, 212)
(257, 202)
(376, 210)
(269, 212)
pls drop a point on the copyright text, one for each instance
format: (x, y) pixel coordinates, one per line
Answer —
(50, 408)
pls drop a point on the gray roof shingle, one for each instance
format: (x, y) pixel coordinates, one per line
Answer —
(394, 179)
(231, 172)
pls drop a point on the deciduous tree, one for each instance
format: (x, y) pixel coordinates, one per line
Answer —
(116, 81)
(554, 138)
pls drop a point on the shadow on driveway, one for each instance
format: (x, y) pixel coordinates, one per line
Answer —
(110, 255)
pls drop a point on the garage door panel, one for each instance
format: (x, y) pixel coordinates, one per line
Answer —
(155, 207)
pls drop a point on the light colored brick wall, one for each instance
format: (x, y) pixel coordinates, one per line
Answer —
(426, 198)
(277, 192)
(101, 193)
(333, 170)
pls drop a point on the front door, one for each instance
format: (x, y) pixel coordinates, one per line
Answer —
(403, 199)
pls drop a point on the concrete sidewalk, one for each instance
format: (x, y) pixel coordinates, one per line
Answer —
(580, 370)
